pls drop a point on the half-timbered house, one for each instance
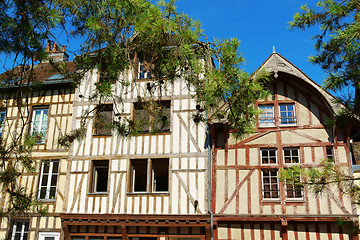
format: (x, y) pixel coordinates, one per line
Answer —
(248, 201)
(44, 110)
(152, 185)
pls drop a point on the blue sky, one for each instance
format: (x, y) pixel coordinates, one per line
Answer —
(259, 25)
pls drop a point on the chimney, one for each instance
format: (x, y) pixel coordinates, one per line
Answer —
(54, 54)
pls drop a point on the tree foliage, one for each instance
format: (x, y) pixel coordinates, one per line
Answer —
(338, 51)
(115, 36)
(322, 179)
(337, 44)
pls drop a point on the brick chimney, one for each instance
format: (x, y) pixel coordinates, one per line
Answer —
(54, 54)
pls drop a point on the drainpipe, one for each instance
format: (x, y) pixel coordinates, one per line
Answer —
(208, 143)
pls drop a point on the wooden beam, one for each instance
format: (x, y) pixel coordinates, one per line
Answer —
(124, 233)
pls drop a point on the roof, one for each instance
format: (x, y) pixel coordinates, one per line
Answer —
(276, 63)
(42, 72)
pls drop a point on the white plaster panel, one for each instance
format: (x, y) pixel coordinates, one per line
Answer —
(231, 157)
(307, 155)
(254, 156)
(220, 157)
(167, 139)
(220, 193)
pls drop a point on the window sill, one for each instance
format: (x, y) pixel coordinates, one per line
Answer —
(47, 200)
(96, 194)
(295, 200)
(102, 135)
(288, 125)
(267, 126)
(149, 193)
(269, 200)
(153, 133)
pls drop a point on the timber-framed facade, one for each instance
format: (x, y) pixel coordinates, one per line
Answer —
(45, 111)
(156, 181)
(248, 201)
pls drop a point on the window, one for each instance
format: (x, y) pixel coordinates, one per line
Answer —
(103, 120)
(39, 124)
(150, 175)
(270, 183)
(287, 114)
(293, 190)
(100, 174)
(268, 156)
(152, 116)
(49, 236)
(48, 179)
(20, 230)
(2, 120)
(329, 153)
(144, 69)
(266, 117)
(291, 155)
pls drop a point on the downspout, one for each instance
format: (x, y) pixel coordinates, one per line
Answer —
(209, 180)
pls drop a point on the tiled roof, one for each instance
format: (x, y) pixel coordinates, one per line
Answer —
(39, 73)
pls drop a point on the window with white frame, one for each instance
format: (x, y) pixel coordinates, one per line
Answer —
(39, 123)
(287, 113)
(48, 179)
(2, 121)
(49, 236)
(268, 156)
(266, 116)
(270, 183)
(149, 175)
(291, 155)
(20, 230)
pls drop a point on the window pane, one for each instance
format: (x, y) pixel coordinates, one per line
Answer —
(48, 179)
(42, 192)
(39, 123)
(329, 153)
(270, 184)
(55, 166)
(100, 174)
(268, 156)
(139, 177)
(52, 193)
(102, 177)
(104, 119)
(287, 114)
(266, 116)
(160, 175)
(291, 155)
(141, 117)
(2, 121)
(162, 119)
